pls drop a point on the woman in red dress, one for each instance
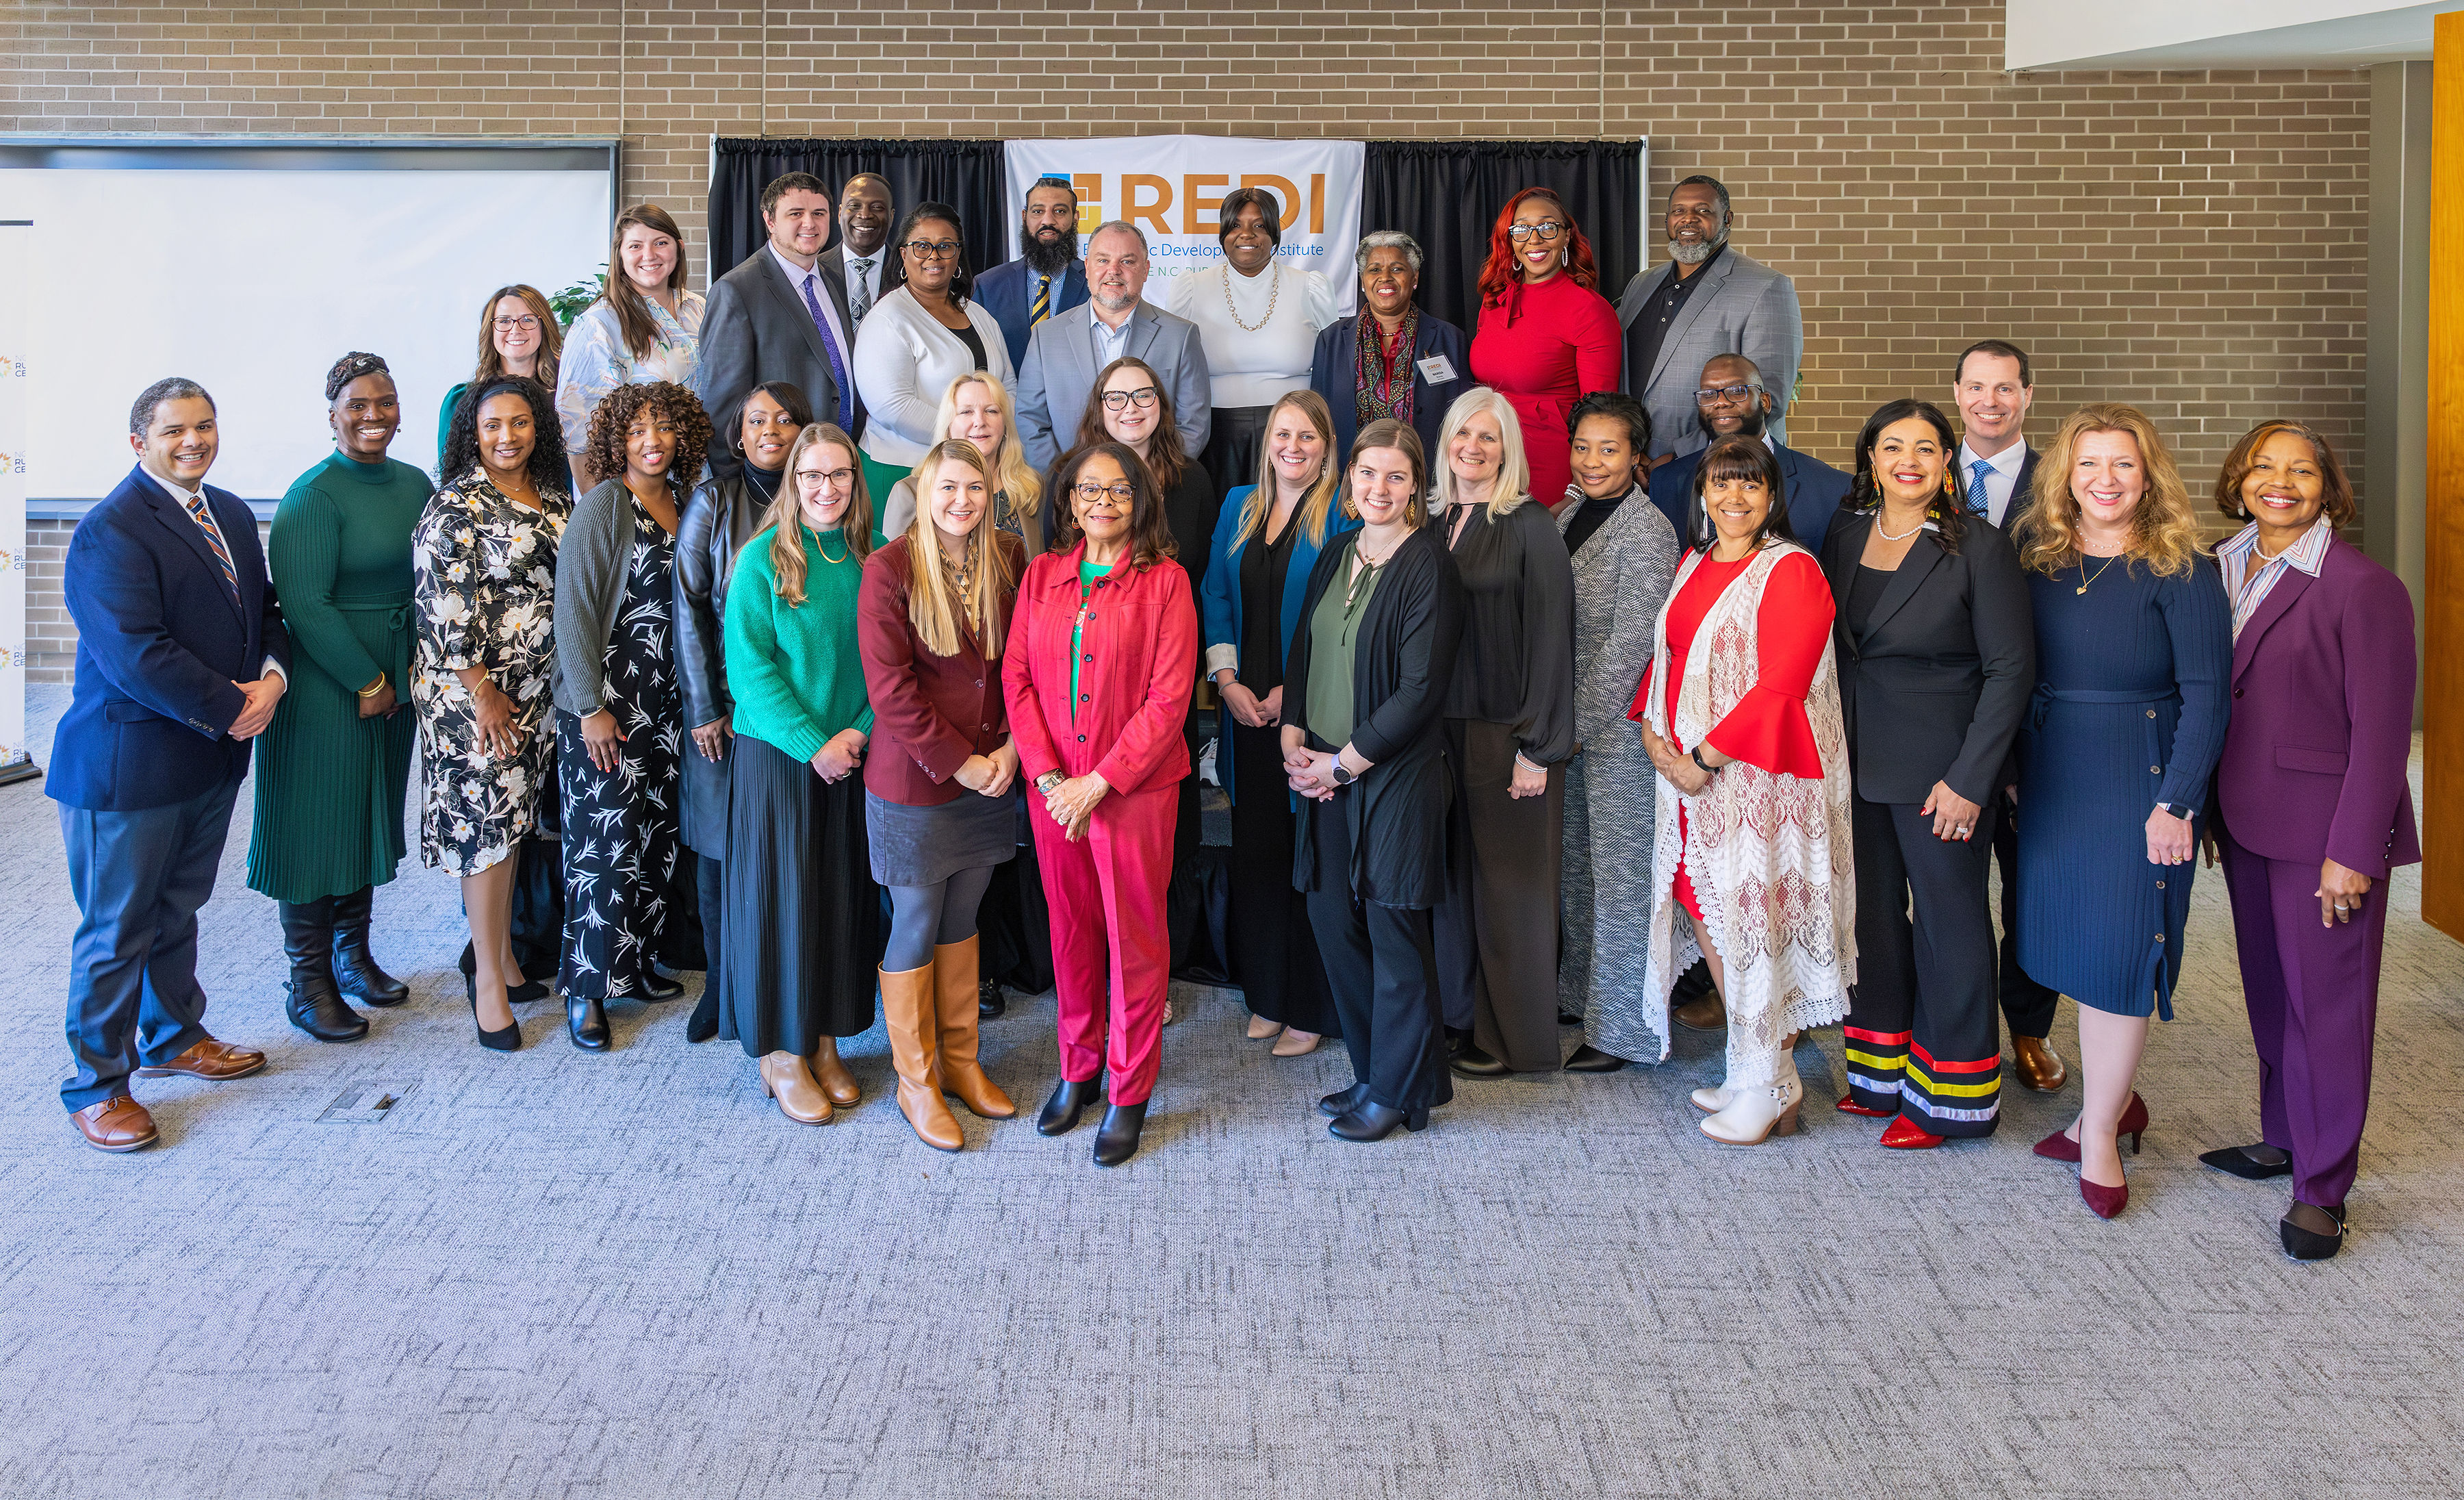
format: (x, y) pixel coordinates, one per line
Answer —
(1547, 337)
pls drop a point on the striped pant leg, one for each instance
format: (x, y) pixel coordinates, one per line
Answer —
(1882, 1004)
(1953, 1080)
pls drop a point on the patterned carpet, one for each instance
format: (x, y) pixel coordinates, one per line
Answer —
(559, 1274)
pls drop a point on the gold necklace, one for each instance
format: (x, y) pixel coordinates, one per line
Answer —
(2086, 579)
(1274, 289)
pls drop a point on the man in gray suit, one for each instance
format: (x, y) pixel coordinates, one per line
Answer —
(1068, 349)
(777, 317)
(1709, 299)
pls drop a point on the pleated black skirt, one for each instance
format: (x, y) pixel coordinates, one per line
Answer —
(802, 915)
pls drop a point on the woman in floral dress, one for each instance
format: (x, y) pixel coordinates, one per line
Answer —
(483, 568)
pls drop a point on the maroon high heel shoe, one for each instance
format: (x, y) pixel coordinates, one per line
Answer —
(1848, 1105)
(2101, 1200)
(2058, 1147)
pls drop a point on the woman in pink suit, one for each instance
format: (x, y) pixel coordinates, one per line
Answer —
(2313, 810)
(1546, 337)
(1102, 658)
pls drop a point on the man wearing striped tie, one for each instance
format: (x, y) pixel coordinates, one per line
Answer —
(167, 586)
(1048, 277)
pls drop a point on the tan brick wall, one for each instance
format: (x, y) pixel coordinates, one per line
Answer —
(2194, 242)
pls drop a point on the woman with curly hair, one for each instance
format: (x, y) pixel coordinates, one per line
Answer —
(483, 595)
(620, 713)
(1545, 336)
(2134, 646)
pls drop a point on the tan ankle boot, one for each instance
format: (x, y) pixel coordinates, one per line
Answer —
(954, 973)
(907, 1005)
(832, 1075)
(785, 1078)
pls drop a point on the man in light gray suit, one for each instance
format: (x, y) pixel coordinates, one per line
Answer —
(1709, 299)
(777, 317)
(1070, 349)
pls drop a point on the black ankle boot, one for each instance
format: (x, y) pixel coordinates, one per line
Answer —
(703, 1024)
(1069, 1101)
(1336, 1106)
(1117, 1141)
(1372, 1121)
(356, 972)
(315, 1006)
(586, 1019)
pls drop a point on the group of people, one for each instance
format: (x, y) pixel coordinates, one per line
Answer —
(759, 634)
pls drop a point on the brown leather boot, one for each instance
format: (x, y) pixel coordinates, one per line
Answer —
(907, 1005)
(832, 1075)
(2039, 1066)
(1707, 1014)
(954, 983)
(785, 1078)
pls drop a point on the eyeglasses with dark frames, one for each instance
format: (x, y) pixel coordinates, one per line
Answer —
(1119, 400)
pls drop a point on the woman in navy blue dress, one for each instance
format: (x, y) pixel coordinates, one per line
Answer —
(2134, 649)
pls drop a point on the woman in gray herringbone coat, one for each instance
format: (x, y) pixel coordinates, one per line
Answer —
(1624, 554)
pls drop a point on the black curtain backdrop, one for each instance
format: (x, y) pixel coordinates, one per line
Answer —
(1446, 194)
(1443, 193)
(964, 174)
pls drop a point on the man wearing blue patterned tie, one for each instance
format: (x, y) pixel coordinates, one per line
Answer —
(1992, 386)
(780, 317)
(1048, 278)
(167, 586)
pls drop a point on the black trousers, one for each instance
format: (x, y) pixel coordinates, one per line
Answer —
(709, 891)
(1275, 958)
(1234, 435)
(1921, 1034)
(1496, 931)
(2027, 1005)
(1383, 967)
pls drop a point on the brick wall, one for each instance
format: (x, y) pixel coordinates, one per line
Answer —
(2194, 242)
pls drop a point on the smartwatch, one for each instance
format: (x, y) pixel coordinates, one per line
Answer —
(1342, 776)
(2174, 810)
(1707, 768)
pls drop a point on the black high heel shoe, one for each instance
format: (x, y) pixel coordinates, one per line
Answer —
(508, 1039)
(521, 994)
(2306, 1244)
(2238, 1160)
(1117, 1141)
(1336, 1106)
(1590, 1059)
(1069, 1101)
(585, 1020)
(1370, 1121)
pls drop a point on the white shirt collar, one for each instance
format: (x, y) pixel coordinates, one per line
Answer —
(172, 488)
(796, 273)
(2005, 462)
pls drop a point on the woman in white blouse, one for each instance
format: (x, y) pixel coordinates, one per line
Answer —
(645, 328)
(923, 334)
(1258, 321)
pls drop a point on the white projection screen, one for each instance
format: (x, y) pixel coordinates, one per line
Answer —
(251, 266)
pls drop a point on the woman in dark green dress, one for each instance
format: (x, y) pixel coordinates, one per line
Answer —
(332, 767)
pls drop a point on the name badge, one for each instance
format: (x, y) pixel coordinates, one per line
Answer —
(1437, 369)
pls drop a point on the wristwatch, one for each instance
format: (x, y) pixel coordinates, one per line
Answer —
(1342, 775)
(1708, 769)
(2175, 810)
(1049, 780)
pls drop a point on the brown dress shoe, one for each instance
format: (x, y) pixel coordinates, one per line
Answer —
(1707, 1014)
(119, 1123)
(210, 1060)
(2039, 1066)
(831, 1074)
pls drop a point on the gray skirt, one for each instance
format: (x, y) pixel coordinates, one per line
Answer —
(926, 846)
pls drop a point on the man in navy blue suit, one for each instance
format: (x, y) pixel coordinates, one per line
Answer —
(1731, 399)
(180, 661)
(1048, 278)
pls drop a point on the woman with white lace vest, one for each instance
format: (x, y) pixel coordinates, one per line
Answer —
(1751, 863)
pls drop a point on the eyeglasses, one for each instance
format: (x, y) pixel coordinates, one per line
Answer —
(528, 323)
(1546, 229)
(930, 248)
(1119, 400)
(835, 478)
(1088, 492)
(1710, 395)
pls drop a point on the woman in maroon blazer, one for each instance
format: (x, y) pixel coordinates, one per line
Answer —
(2313, 810)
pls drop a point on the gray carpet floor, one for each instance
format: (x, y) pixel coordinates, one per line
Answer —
(561, 1274)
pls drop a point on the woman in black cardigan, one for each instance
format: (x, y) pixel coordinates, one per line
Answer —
(1936, 659)
(1364, 743)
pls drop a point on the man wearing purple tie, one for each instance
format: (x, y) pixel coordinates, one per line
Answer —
(780, 317)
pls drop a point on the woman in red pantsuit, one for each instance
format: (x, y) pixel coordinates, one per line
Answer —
(1547, 337)
(1102, 659)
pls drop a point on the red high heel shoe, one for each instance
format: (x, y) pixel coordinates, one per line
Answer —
(1848, 1105)
(2058, 1147)
(2101, 1200)
(1907, 1135)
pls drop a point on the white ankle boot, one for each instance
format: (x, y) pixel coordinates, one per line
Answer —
(1752, 1116)
(1711, 1101)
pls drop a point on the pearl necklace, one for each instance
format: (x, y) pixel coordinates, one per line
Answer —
(1274, 289)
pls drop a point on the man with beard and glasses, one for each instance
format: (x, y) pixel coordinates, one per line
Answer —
(1066, 353)
(1048, 278)
(777, 317)
(1733, 399)
(1709, 299)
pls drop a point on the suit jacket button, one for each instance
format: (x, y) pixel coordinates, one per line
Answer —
(2155, 770)
(2160, 936)
(1082, 739)
(2236, 694)
(2151, 713)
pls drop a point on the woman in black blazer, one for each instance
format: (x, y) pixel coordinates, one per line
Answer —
(1936, 659)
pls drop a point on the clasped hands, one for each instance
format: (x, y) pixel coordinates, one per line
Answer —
(1071, 801)
(262, 696)
(1673, 763)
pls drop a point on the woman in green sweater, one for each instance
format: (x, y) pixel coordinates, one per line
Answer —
(332, 767)
(802, 913)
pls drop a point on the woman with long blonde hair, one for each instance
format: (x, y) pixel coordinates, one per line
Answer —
(2134, 652)
(979, 409)
(941, 810)
(1267, 542)
(802, 913)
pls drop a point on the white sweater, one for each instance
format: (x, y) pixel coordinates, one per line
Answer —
(904, 361)
(1256, 366)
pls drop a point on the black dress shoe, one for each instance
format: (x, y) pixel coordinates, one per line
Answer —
(1456, 1040)
(1473, 1063)
(703, 1024)
(1590, 1059)
(1370, 1121)
(1117, 1141)
(314, 1005)
(2238, 1160)
(2307, 1242)
(1567, 1017)
(1069, 1101)
(658, 985)
(1336, 1106)
(990, 999)
(508, 1039)
(586, 1019)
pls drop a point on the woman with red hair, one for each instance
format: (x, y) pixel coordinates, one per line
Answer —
(1545, 336)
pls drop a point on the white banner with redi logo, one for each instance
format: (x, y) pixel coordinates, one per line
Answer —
(1173, 188)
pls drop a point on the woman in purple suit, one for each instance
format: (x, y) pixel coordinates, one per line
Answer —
(2313, 810)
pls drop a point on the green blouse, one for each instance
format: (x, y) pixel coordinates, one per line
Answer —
(795, 673)
(1334, 633)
